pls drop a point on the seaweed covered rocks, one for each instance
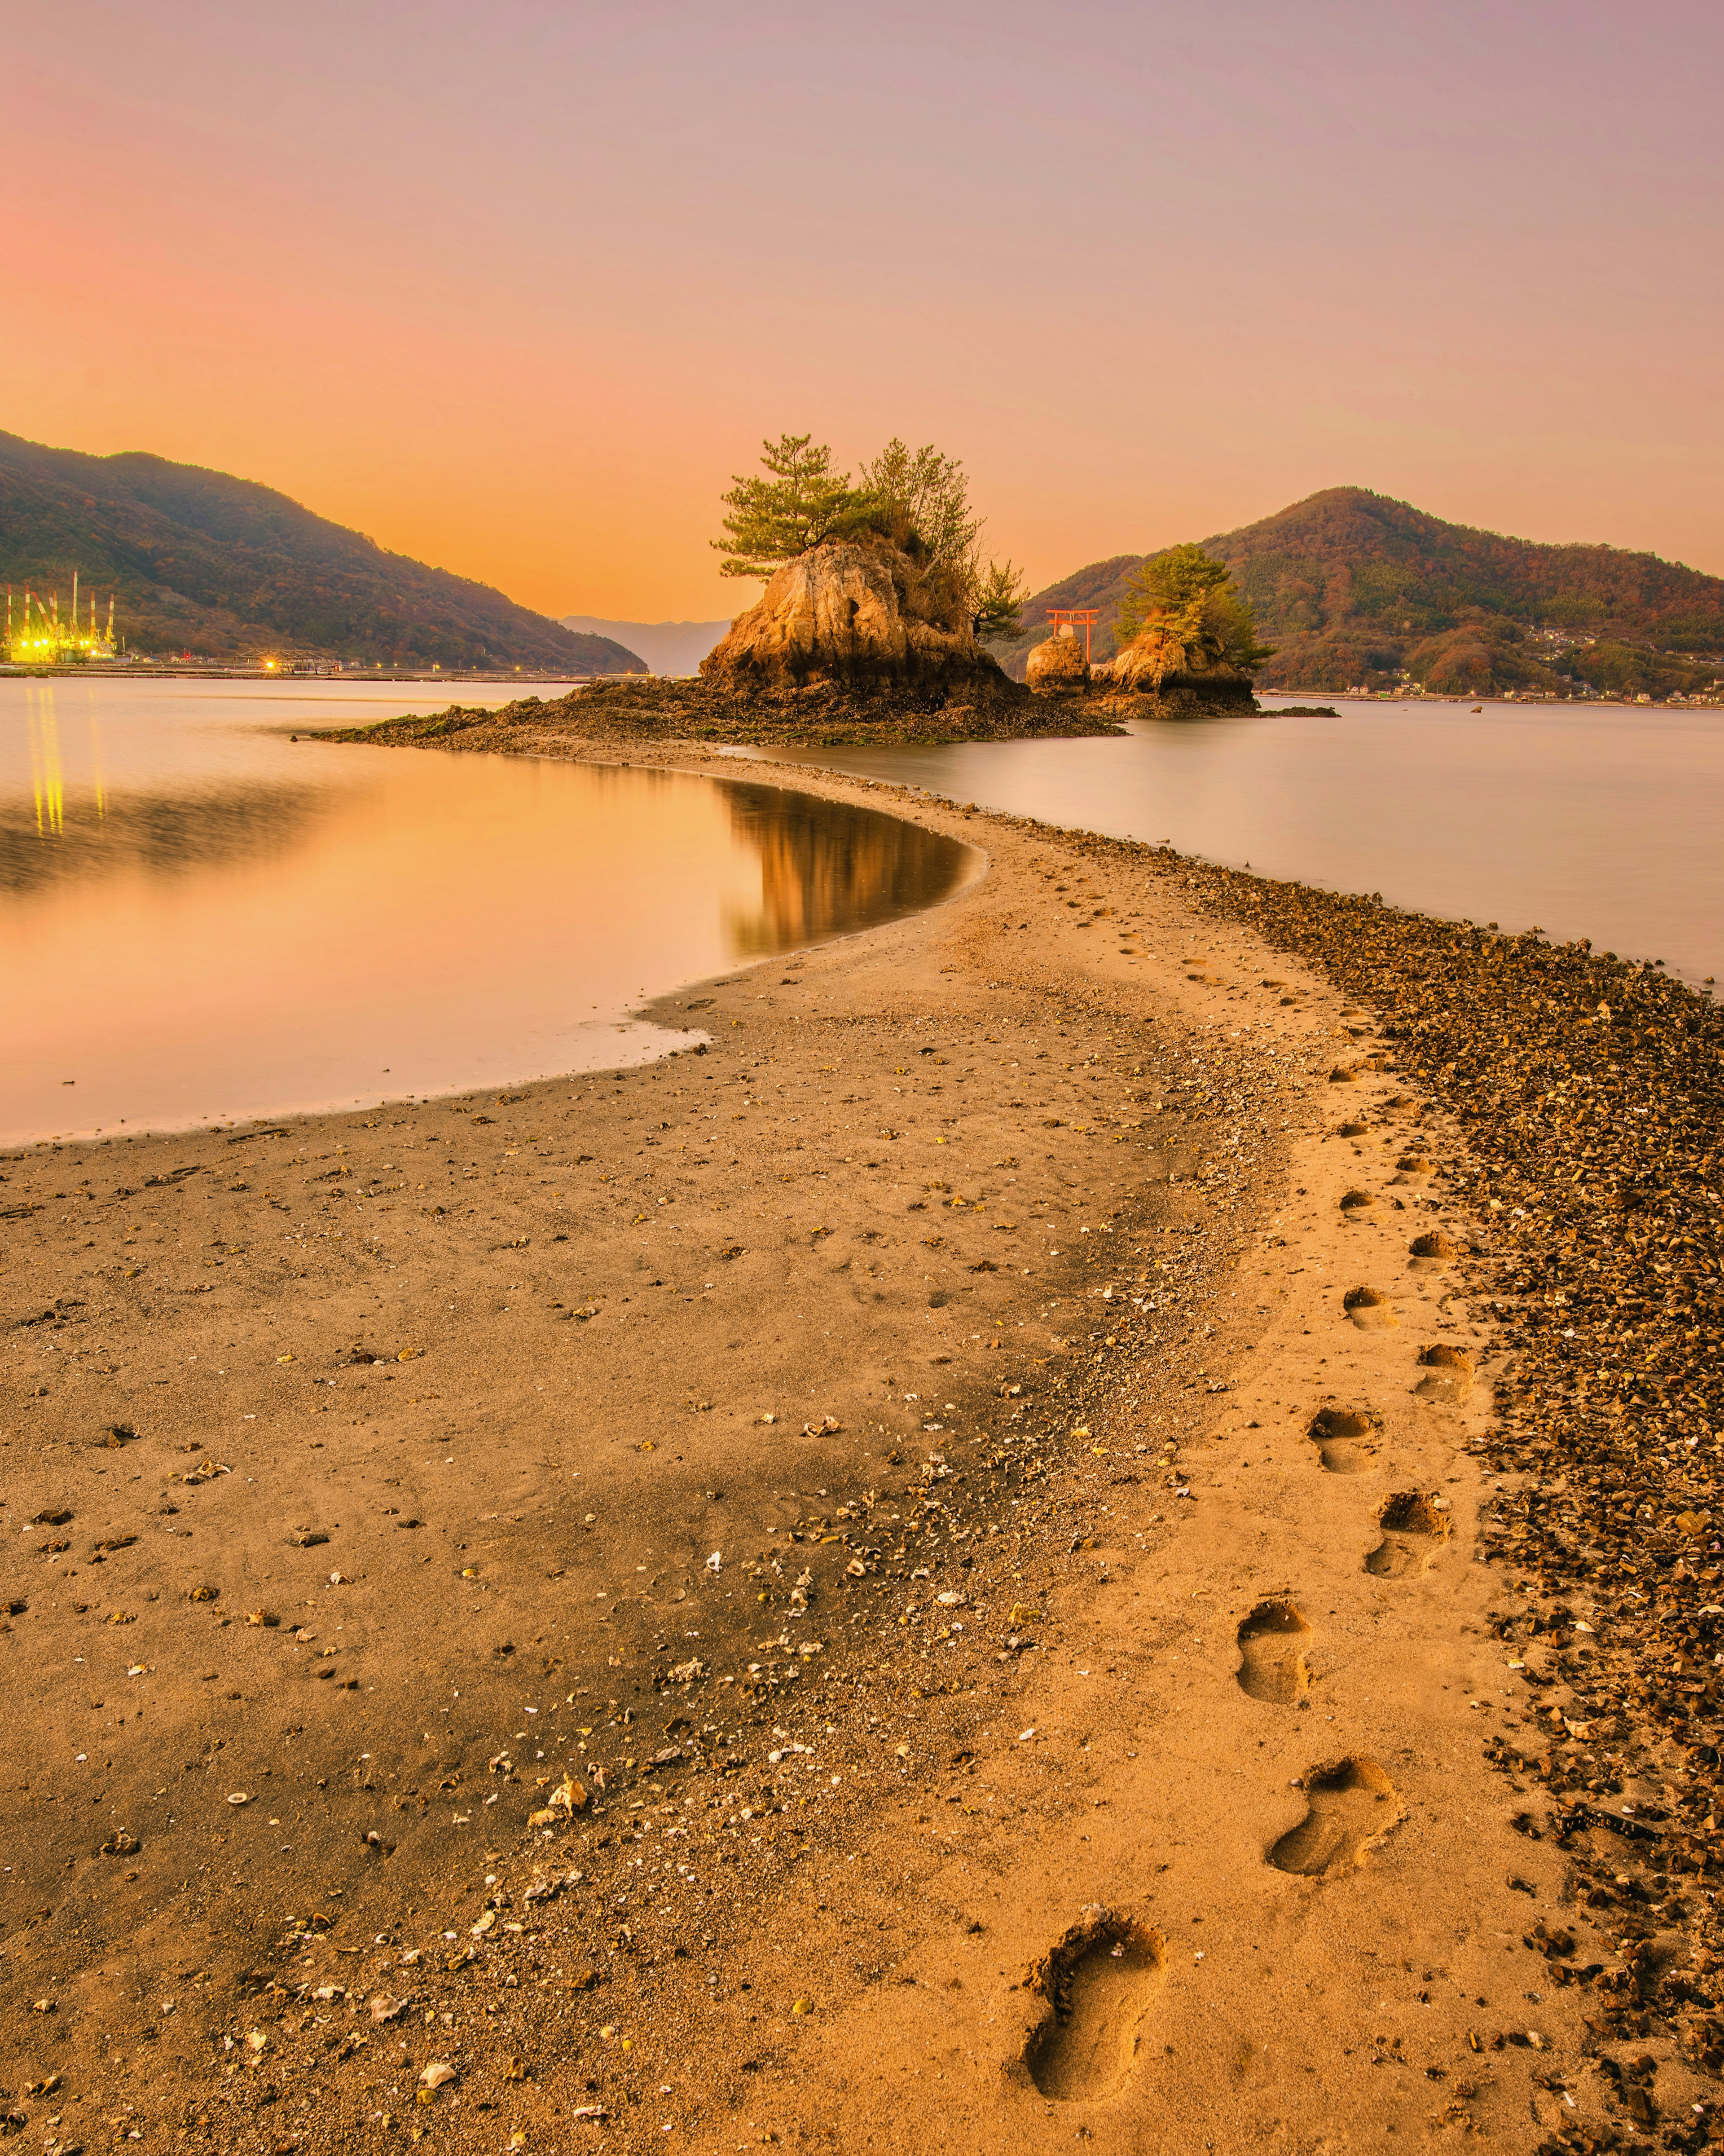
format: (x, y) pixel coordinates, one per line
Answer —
(817, 713)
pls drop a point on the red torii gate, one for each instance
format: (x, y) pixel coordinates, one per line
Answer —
(1060, 616)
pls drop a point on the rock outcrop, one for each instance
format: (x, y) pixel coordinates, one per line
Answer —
(1178, 676)
(845, 614)
(1144, 663)
(1057, 666)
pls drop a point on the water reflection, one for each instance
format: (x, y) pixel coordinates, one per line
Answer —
(86, 835)
(1592, 820)
(828, 868)
(199, 919)
(47, 780)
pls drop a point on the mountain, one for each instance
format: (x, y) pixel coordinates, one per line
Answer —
(667, 647)
(1357, 590)
(225, 568)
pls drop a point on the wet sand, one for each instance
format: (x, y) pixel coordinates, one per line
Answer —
(1004, 1618)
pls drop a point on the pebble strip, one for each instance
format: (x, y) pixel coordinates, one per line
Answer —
(1590, 1090)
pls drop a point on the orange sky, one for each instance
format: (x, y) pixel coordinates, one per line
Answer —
(515, 289)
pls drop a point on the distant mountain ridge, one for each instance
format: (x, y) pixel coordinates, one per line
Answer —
(667, 647)
(225, 568)
(1355, 590)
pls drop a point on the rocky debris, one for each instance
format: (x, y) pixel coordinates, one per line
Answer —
(1590, 1091)
(846, 613)
(564, 1801)
(1057, 666)
(819, 714)
(1037, 1450)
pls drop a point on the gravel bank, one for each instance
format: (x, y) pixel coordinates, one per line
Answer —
(1590, 1094)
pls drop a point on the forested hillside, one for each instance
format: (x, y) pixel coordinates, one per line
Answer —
(1355, 590)
(225, 568)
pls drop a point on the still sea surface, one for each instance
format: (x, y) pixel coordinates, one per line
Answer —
(1597, 820)
(202, 920)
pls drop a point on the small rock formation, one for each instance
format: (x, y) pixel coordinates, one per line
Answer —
(1057, 666)
(846, 614)
(1180, 675)
(1144, 663)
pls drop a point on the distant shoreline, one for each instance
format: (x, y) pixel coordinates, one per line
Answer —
(157, 671)
(1541, 703)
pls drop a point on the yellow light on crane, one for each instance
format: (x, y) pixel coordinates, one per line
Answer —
(37, 634)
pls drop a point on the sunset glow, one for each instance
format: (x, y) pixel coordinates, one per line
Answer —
(515, 293)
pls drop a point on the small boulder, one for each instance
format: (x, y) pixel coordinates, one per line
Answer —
(1057, 667)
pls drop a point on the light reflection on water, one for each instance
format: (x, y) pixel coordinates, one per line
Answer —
(1583, 820)
(160, 835)
(200, 919)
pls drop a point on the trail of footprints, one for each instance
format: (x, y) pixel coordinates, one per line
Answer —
(1100, 1980)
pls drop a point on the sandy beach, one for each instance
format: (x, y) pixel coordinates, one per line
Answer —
(927, 1567)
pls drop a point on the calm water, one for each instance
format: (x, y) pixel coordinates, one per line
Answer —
(201, 920)
(1597, 820)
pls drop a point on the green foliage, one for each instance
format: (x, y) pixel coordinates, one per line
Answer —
(1168, 583)
(917, 501)
(1347, 573)
(1189, 597)
(1619, 669)
(772, 521)
(920, 499)
(997, 608)
(1347, 567)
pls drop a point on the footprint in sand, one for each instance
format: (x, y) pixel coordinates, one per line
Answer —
(1352, 1806)
(1448, 1374)
(1338, 1434)
(1412, 1529)
(1414, 1167)
(1272, 1658)
(1369, 1309)
(1429, 1252)
(1098, 1982)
